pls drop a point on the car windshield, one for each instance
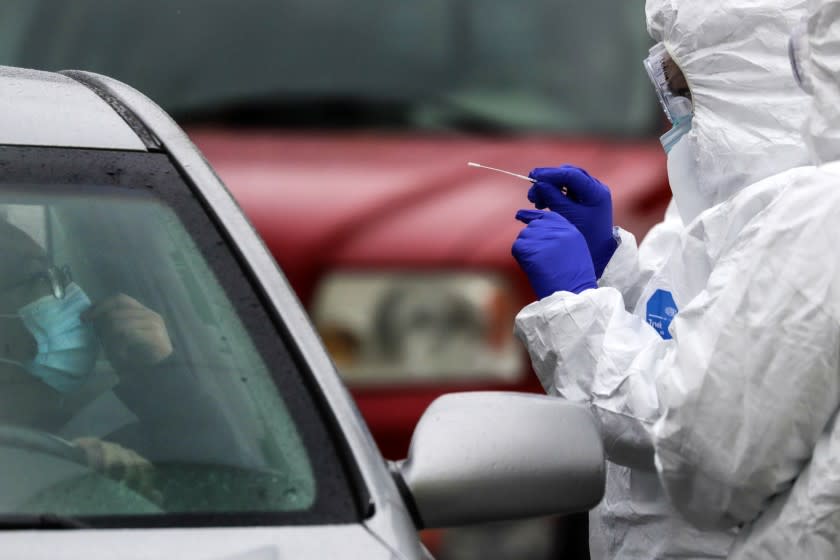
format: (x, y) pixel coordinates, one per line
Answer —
(144, 381)
(546, 66)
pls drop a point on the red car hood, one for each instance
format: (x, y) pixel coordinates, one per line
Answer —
(379, 200)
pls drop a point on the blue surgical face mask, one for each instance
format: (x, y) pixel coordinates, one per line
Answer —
(678, 130)
(67, 348)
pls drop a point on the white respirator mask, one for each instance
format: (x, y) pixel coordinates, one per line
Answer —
(682, 176)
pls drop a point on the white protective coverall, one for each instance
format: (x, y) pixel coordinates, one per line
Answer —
(608, 346)
(752, 438)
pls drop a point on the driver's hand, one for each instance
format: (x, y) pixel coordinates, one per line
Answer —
(131, 334)
(118, 463)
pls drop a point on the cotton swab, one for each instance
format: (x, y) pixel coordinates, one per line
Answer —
(517, 175)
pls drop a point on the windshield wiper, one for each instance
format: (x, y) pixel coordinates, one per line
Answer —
(13, 522)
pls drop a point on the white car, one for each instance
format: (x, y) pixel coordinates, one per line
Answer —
(164, 395)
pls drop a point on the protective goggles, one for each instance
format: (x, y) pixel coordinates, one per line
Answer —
(670, 85)
(799, 52)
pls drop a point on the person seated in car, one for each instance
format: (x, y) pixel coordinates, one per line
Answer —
(51, 336)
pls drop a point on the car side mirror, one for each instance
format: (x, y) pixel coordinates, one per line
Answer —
(492, 456)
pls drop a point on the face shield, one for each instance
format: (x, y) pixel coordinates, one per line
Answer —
(672, 91)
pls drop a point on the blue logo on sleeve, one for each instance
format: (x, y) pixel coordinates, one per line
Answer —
(661, 310)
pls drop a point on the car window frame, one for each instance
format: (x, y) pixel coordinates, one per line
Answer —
(156, 174)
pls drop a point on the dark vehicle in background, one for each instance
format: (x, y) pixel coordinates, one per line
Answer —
(343, 129)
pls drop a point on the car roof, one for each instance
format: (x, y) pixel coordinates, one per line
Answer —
(48, 109)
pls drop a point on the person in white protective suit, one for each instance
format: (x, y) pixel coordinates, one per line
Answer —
(724, 79)
(751, 438)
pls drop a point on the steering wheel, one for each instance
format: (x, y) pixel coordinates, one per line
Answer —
(41, 442)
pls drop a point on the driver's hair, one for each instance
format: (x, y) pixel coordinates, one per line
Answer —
(18, 251)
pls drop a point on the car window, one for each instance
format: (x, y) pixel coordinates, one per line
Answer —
(489, 65)
(145, 382)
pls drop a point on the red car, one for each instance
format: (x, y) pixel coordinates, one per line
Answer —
(344, 130)
(401, 252)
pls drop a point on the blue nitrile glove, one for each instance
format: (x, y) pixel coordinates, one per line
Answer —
(553, 254)
(587, 204)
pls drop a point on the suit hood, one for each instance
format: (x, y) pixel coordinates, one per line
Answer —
(748, 109)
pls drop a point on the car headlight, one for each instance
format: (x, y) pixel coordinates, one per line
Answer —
(401, 327)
